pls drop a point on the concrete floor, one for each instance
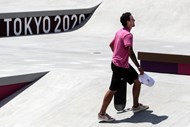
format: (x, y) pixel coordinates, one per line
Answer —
(71, 93)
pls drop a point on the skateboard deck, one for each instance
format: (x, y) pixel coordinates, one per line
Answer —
(120, 97)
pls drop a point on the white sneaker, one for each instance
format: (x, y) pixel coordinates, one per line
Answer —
(105, 117)
(141, 107)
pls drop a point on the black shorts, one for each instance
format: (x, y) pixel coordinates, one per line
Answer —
(122, 75)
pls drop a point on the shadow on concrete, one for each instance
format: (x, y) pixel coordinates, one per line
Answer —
(142, 117)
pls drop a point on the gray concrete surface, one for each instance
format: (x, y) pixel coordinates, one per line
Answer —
(71, 93)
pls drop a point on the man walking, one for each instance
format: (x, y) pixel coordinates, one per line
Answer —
(122, 47)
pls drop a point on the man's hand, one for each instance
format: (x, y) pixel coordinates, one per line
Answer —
(141, 70)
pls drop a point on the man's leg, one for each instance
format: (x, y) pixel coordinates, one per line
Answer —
(136, 92)
(106, 101)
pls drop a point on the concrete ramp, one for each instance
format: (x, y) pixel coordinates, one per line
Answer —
(60, 98)
(70, 98)
(71, 94)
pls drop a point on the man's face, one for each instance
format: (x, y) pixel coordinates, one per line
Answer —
(131, 22)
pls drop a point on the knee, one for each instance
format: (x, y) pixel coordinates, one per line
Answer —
(112, 91)
(109, 94)
(137, 82)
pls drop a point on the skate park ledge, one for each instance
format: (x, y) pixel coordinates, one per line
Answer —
(165, 63)
(11, 86)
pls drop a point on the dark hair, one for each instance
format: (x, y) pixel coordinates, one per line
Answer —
(125, 17)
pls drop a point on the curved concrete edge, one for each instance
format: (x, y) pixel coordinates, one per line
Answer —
(12, 84)
(44, 22)
(21, 78)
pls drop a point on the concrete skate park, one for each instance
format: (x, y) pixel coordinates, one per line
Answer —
(65, 75)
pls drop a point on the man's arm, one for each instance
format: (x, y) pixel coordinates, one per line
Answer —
(134, 59)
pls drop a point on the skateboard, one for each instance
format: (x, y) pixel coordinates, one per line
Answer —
(120, 97)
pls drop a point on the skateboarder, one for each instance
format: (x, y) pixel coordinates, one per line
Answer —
(122, 47)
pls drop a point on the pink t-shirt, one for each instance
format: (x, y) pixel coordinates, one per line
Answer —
(123, 39)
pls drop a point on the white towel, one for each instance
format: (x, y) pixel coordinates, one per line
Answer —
(146, 80)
